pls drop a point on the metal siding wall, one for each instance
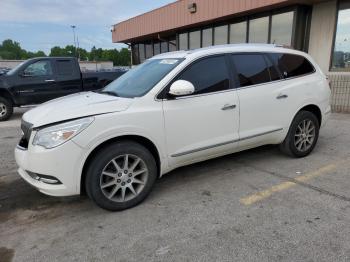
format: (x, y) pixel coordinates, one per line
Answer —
(176, 15)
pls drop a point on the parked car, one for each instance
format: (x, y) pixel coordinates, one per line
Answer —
(38, 80)
(4, 70)
(173, 110)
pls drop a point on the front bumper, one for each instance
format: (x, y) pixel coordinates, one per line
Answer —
(62, 162)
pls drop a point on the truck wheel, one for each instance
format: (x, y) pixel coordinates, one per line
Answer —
(6, 109)
(121, 175)
(302, 135)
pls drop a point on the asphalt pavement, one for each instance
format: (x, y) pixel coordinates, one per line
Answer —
(257, 205)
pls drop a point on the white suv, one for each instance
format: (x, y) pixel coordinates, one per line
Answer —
(173, 110)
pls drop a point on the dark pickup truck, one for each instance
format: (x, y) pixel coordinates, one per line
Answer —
(38, 80)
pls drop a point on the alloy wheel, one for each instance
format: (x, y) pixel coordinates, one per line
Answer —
(3, 109)
(123, 178)
(305, 135)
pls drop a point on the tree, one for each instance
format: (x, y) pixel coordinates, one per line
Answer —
(10, 49)
(124, 57)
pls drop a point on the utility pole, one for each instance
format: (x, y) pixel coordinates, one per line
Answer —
(75, 43)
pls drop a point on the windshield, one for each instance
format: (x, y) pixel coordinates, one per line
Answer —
(141, 79)
(13, 70)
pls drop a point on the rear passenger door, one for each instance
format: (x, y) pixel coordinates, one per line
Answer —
(68, 77)
(262, 98)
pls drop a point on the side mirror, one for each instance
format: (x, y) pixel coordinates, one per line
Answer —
(181, 88)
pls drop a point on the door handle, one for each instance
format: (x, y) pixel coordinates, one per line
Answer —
(281, 96)
(49, 80)
(228, 107)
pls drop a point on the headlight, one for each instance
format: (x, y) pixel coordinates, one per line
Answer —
(53, 136)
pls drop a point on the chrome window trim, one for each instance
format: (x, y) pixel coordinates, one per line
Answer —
(234, 88)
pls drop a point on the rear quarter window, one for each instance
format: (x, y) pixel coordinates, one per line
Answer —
(292, 65)
(65, 67)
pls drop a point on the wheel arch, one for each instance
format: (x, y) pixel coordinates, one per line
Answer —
(136, 138)
(312, 108)
(6, 94)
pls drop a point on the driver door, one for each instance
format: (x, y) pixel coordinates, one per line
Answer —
(204, 124)
(35, 82)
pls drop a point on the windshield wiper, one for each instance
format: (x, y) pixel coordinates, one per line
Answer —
(111, 93)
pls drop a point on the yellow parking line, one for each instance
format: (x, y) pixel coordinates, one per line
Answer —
(248, 200)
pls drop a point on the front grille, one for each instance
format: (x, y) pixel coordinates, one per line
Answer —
(27, 131)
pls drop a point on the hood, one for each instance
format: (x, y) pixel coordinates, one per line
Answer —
(75, 106)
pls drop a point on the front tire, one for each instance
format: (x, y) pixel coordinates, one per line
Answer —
(302, 135)
(121, 175)
(6, 109)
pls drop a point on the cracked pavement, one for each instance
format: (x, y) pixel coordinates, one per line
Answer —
(300, 212)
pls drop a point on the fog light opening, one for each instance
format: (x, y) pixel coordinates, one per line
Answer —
(44, 178)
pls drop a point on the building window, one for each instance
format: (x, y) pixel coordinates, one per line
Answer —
(142, 52)
(149, 50)
(341, 50)
(238, 33)
(172, 44)
(183, 41)
(220, 35)
(156, 48)
(207, 37)
(135, 54)
(195, 39)
(282, 28)
(164, 47)
(258, 30)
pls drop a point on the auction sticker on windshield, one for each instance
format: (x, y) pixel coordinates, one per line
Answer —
(168, 61)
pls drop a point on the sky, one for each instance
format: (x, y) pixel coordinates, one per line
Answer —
(42, 24)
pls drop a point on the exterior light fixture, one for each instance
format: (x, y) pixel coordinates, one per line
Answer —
(192, 8)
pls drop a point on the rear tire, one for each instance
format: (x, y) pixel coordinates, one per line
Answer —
(6, 109)
(121, 175)
(302, 135)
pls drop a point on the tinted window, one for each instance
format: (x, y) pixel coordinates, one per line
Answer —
(183, 39)
(274, 74)
(39, 68)
(149, 50)
(135, 54)
(164, 47)
(207, 37)
(65, 67)
(142, 52)
(208, 75)
(238, 33)
(341, 51)
(195, 39)
(172, 44)
(220, 35)
(292, 65)
(156, 47)
(251, 69)
(282, 28)
(258, 30)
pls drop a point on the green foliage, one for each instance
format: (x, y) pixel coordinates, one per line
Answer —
(121, 58)
(12, 50)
